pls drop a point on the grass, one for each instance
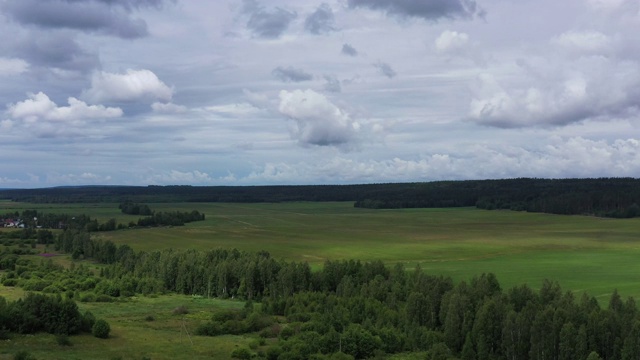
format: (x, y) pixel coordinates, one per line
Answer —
(582, 253)
(133, 336)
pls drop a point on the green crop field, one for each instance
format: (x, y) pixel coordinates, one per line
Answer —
(582, 253)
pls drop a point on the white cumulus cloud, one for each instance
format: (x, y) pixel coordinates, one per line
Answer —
(451, 41)
(552, 94)
(134, 85)
(317, 120)
(38, 107)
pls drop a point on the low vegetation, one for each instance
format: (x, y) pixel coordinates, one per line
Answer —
(427, 296)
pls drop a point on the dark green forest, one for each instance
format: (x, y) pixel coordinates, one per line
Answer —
(610, 197)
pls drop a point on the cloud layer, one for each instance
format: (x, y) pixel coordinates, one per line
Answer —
(266, 92)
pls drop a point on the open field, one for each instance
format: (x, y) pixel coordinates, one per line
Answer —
(582, 253)
(133, 336)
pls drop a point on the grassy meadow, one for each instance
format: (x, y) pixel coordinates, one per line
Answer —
(582, 253)
(141, 328)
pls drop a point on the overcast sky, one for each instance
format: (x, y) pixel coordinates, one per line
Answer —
(232, 92)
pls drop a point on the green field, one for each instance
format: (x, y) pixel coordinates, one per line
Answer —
(582, 253)
(133, 336)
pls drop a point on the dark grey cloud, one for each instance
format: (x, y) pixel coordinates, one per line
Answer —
(130, 4)
(57, 49)
(267, 24)
(349, 50)
(291, 74)
(332, 84)
(425, 9)
(385, 69)
(106, 17)
(320, 21)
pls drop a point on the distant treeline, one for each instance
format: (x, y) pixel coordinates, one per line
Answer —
(32, 219)
(609, 197)
(612, 197)
(171, 218)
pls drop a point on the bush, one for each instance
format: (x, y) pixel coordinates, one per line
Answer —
(149, 318)
(226, 315)
(180, 310)
(63, 340)
(52, 289)
(210, 328)
(10, 282)
(254, 344)
(241, 353)
(287, 332)
(23, 355)
(274, 352)
(271, 332)
(103, 298)
(88, 320)
(4, 333)
(88, 297)
(101, 329)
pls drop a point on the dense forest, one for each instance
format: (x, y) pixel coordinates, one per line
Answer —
(611, 197)
(357, 309)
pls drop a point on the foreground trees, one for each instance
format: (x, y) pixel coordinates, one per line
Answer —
(366, 308)
(42, 313)
(351, 308)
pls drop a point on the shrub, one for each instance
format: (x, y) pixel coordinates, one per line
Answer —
(241, 353)
(225, 315)
(63, 340)
(52, 289)
(180, 310)
(88, 320)
(271, 332)
(287, 332)
(23, 355)
(210, 328)
(10, 282)
(101, 329)
(439, 351)
(234, 327)
(104, 298)
(149, 318)
(4, 333)
(273, 352)
(88, 297)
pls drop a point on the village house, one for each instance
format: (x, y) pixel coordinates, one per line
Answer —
(12, 223)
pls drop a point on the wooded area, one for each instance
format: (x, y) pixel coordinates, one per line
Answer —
(362, 309)
(610, 197)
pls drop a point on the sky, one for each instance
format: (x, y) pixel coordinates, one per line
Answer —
(257, 92)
